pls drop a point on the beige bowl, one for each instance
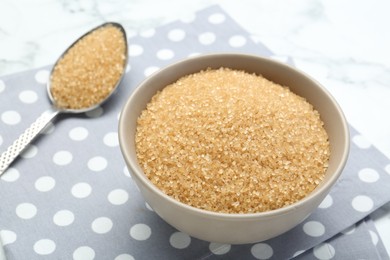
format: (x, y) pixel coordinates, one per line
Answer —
(223, 227)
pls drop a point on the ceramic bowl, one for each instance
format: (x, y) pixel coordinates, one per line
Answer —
(224, 227)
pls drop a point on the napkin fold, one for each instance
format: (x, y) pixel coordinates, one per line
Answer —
(70, 195)
(360, 241)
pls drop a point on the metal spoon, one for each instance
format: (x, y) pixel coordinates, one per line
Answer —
(33, 131)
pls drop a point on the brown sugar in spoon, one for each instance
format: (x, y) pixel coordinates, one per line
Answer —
(82, 79)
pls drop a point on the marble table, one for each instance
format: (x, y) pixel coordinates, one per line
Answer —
(343, 44)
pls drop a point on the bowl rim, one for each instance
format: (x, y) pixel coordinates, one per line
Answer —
(137, 171)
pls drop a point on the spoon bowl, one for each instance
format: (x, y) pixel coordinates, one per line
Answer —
(80, 87)
(49, 85)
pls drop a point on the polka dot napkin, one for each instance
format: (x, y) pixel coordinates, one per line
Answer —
(70, 196)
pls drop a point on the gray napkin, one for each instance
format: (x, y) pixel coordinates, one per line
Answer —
(70, 195)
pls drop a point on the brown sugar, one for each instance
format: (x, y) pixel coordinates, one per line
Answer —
(90, 70)
(229, 141)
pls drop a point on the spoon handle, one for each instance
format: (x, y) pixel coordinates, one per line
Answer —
(12, 152)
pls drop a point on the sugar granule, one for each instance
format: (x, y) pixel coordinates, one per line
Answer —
(228, 141)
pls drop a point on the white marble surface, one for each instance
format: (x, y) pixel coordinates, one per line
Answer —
(343, 44)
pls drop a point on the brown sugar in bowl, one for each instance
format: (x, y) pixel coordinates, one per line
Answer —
(224, 224)
(229, 141)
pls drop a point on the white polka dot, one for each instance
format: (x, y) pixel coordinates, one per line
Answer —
(140, 232)
(368, 175)
(193, 54)
(219, 249)
(180, 240)
(361, 141)
(124, 257)
(84, 253)
(327, 202)
(374, 237)
(63, 218)
(26, 210)
(148, 207)
(148, 33)
(42, 76)
(10, 175)
(118, 197)
(150, 70)
(81, 190)
(349, 230)
(216, 18)
(29, 152)
(298, 253)
(262, 251)
(78, 133)
(48, 129)
(126, 172)
(44, 247)
(135, 50)
(7, 237)
(237, 41)
(28, 96)
(324, 251)
(101, 225)
(62, 158)
(165, 54)
(207, 38)
(97, 112)
(387, 168)
(128, 68)
(45, 183)
(280, 58)
(2, 86)
(97, 163)
(176, 35)
(314, 228)
(11, 117)
(362, 203)
(111, 139)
